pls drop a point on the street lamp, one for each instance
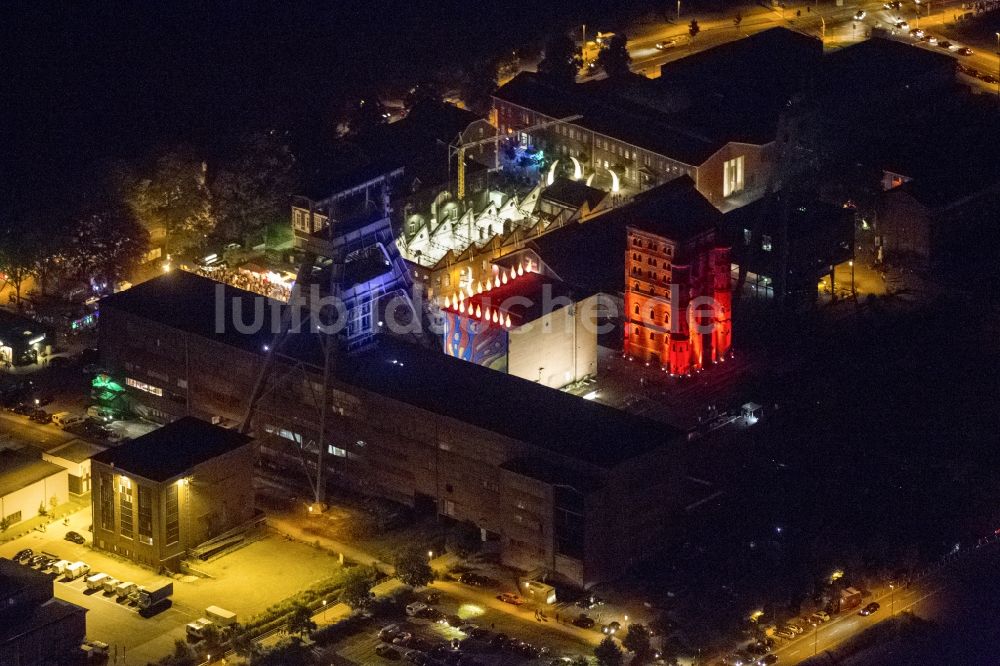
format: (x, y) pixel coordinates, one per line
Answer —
(324, 611)
(678, 10)
(892, 599)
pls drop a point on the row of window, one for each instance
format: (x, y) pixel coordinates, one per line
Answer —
(143, 386)
(651, 245)
(135, 510)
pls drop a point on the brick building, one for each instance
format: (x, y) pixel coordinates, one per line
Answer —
(168, 491)
(553, 481)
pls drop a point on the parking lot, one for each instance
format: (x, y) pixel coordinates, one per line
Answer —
(245, 581)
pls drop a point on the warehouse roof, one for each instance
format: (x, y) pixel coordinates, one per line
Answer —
(172, 450)
(19, 470)
(492, 400)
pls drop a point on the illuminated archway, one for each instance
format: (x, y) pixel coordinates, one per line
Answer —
(577, 169)
(552, 173)
(615, 186)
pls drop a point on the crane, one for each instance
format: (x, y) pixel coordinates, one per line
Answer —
(460, 148)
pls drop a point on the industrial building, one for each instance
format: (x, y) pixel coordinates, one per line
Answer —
(36, 629)
(29, 486)
(526, 324)
(166, 492)
(553, 481)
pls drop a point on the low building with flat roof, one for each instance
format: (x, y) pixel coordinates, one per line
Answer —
(75, 457)
(37, 629)
(28, 486)
(170, 490)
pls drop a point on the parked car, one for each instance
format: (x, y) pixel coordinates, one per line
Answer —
(388, 632)
(917, 33)
(902, 25)
(590, 601)
(870, 608)
(767, 660)
(75, 537)
(611, 628)
(666, 44)
(965, 51)
(860, 15)
(415, 607)
(785, 633)
(819, 617)
(510, 598)
(477, 580)
(41, 416)
(795, 627)
(945, 44)
(23, 554)
(585, 621)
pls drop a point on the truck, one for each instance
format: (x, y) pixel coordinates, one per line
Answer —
(220, 616)
(155, 593)
(77, 569)
(848, 599)
(96, 581)
(110, 584)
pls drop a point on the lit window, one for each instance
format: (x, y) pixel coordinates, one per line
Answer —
(765, 243)
(747, 235)
(143, 386)
(336, 451)
(732, 176)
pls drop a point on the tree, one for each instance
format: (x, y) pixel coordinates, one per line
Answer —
(182, 655)
(300, 620)
(636, 640)
(244, 645)
(562, 59)
(423, 93)
(291, 652)
(357, 590)
(24, 246)
(365, 115)
(173, 200)
(253, 190)
(464, 538)
(479, 82)
(608, 653)
(106, 245)
(694, 28)
(614, 58)
(413, 569)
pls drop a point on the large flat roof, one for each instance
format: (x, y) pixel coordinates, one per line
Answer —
(674, 210)
(430, 380)
(172, 450)
(19, 470)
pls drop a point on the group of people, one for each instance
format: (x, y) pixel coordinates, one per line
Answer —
(249, 281)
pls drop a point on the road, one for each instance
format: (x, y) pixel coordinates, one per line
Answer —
(836, 25)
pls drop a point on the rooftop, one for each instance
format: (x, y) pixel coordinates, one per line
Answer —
(519, 299)
(674, 210)
(19, 470)
(494, 401)
(15, 578)
(172, 450)
(573, 193)
(77, 450)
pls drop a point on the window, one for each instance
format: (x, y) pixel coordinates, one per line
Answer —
(172, 515)
(747, 236)
(145, 525)
(732, 176)
(637, 309)
(765, 243)
(143, 386)
(125, 505)
(652, 314)
(336, 451)
(107, 502)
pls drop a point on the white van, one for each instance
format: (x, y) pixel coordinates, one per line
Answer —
(96, 581)
(124, 589)
(59, 568)
(110, 584)
(196, 629)
(77, 569)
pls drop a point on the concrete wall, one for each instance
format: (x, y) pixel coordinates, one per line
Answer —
(562, 343)
(27, 499)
